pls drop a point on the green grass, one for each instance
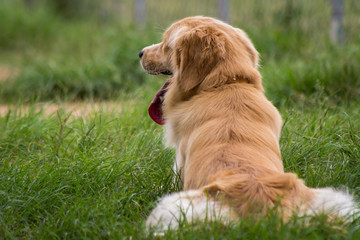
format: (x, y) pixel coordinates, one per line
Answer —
(99, 176)
(91, 177)
(58, 59)
(59, 176)
(86, 58)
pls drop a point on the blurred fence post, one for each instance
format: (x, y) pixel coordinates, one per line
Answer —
(29, 3)
(140, 12)
(337, 20)
(224, 10)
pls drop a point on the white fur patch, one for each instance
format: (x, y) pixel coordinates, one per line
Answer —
(333, 202)
(193, 205)
(186, 206)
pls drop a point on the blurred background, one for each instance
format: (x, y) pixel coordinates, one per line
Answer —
(63, 50)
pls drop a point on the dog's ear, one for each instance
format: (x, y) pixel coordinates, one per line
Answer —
(197, 52)
(245, 62)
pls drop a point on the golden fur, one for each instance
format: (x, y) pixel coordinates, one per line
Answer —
(225, 131)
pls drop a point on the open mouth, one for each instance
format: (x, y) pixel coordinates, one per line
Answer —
(155, 109)
(167, 72)
(156, 72)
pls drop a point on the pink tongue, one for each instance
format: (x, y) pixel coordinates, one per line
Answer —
(155, 108)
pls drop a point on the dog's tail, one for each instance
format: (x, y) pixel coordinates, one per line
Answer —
(241, 192)
(252, 192)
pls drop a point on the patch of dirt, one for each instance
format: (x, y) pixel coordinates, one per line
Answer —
(7, 73)
(76, 109)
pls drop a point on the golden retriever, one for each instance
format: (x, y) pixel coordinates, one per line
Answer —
(225, 131)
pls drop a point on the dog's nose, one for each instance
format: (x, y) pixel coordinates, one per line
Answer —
(141, 53)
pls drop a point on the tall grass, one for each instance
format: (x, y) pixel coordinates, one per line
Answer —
(60, 174)
(98, 177)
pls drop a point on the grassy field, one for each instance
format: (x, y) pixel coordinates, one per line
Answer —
(98, 174)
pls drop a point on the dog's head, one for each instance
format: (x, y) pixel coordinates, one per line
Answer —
(200, 53)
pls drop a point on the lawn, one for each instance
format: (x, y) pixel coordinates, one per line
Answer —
(99, 173)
